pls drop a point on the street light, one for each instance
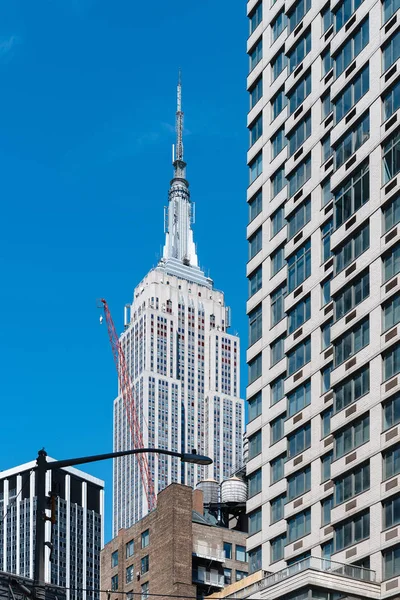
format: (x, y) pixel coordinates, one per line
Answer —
(43, 466)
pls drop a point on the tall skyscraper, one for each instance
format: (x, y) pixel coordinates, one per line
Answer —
(324, 275)
(184, 365)
(76, 537)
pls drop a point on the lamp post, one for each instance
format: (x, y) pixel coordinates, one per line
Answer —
(43, 466)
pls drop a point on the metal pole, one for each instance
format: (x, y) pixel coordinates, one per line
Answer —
(40, 480)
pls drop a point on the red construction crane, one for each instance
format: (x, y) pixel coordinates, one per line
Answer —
(130, 408)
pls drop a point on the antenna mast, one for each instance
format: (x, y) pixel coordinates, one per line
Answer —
(179, 122)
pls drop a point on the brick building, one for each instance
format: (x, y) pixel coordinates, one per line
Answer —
(175, 550)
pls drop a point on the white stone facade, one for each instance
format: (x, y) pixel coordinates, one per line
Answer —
(303, 234)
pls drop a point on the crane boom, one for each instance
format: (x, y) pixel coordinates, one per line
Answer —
(130, 408)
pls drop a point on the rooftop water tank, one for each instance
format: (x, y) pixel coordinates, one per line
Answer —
(210, 489)
(233, 490)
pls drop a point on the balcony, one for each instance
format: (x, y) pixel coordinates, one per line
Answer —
(324, 573)
(209, 552)
(208, 578)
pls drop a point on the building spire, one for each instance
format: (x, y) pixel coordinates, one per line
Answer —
(179, 120)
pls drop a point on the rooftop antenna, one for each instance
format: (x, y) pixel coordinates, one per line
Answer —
(179, 121)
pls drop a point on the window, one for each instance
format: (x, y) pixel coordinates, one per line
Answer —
(326, 334)
(327, 18)
(240, 574)
(144, 589)
(299, 525)
(299, 134)
(299, 176)
(351, 484)
(277, 260)
(327, 149)
(255, 325)
(255, 406)
(255, 205)
(279, 102)
(327, 62)
(255, 55)
(255, 444)
(391, 362)
(256, 129)
(299, 314)
(353, 435)
(114, 583)
(344, 12)
(254, 522)
(326, 461)
(391, 512)
(326, 507)
(326, 291)
(228, 550)
(352, 342)
(352, 141)
(129, 549)
(256, 92)
(277, 428)
(391, 157)
(391, 263)
(391, 562)
(255, 17)
(391, 214)
(278, 25)
(389, 8)
(299, 483)
(391, 51)
(352, 531)
(351, 295)
(114, 559)
(391, 462)
(299, 356)
(391, 312)
(352, 48)
(277, 304)
(255, 281)
(351, 389)
(278, 221)
(299, 93)
(299, 266)
(391, 412)
(299, 398)
(241, 553)
(326, 191)
(326, 104)
(277, 350)
(326, 378)
(351, 94)
(227, 576)
(299, 51)
(255, 368)
(299, 218)
(255, 243)
(255, 559)
(255, 167)
(277, 466)
(254, 483)
(129, 574)
(144, 564)
(278, 547)
(278, 63)
(326, 421)
(352, 248)
(353, 194)
(278, 181)
(277, 508)
(145, 538)
(277, 389)
(299, 441)
(326, 231)
(278, 142)
(297, 13)
(327, 550)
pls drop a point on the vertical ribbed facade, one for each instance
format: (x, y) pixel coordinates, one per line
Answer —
(324, 275)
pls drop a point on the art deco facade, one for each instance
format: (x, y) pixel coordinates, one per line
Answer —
(184, 366)
(324, 281)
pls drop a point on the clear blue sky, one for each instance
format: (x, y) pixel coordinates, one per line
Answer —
(86, 126)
